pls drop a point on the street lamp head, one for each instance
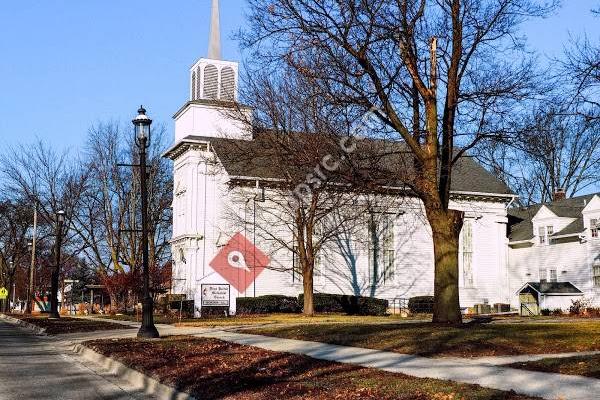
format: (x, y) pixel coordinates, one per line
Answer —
(60, 216)
(142, 126)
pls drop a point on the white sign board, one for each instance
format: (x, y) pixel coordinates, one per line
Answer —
(215, 295)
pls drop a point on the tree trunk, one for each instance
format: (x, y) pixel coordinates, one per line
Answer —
(446, 226)
(307, 284)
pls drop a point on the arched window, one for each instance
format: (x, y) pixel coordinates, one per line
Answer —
(211, 82)
(227, 84)
(193, 90)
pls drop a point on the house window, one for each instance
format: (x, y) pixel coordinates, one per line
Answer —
(553, 276)
(467, 253)
(597, 274)
(544, 233)
(594, 228)
(381, 249)
(543, 276)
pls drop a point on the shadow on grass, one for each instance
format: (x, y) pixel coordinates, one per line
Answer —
(431, 340)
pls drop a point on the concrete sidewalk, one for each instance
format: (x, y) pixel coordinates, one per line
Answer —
(38, 367)
(485, 371)
(545, 385)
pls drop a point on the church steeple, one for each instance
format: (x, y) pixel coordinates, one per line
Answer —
(212, 78)
(214, 43)
(213, 94)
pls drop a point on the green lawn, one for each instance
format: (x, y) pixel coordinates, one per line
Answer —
(585, 365)
(212, 369)
(433, 340)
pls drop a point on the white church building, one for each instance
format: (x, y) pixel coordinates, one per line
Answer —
(215, 226)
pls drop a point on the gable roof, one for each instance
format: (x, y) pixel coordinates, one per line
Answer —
(386, 162)
(552, 288)
(522, 227)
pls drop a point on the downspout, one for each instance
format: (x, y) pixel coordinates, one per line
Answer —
(507, 251)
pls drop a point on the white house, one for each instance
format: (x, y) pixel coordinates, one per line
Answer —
(557, 242)
(215, 197)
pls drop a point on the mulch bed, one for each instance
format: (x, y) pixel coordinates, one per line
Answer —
(213, 369)
(69, 325)
(582, 365)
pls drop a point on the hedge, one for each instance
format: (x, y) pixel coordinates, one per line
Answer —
(267, 305)
(420, 305)
(351, 305)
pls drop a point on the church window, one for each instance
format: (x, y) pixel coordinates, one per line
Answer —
(382, 266)
(596, 272)
(594, 227)
(467, 253)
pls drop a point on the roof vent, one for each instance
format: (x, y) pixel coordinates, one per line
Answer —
(211, 78)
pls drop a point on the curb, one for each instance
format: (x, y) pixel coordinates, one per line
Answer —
(24, 324)
(150, 385)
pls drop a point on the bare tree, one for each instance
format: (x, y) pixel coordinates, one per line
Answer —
(108, 219)
(36, 176)
(295, 131)
(581, 68)
(557, 148)
(444, 74)
(14, 227)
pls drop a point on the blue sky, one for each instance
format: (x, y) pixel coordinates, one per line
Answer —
(66, 64)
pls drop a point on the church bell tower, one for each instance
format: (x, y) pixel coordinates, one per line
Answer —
(211, 112)
(213, 84)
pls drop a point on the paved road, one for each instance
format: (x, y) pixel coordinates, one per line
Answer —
(34, 367)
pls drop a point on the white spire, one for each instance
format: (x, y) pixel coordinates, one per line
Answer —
(214, 43)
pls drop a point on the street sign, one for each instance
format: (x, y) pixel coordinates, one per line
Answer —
(215, 295)
(3, 293)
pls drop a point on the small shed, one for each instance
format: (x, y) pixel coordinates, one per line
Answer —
(536, 296)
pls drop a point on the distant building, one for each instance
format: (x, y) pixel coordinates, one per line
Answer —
(555, 242)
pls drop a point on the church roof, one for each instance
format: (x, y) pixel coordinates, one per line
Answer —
(380, 162)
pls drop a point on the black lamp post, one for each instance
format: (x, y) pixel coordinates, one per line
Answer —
(142, 140)
(60, 219)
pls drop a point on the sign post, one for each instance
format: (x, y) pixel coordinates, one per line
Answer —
(3, 296)
(215, 295)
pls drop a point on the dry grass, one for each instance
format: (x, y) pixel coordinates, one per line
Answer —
(475, 340)
(68, 325)
(585, 366)
(269, 319)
